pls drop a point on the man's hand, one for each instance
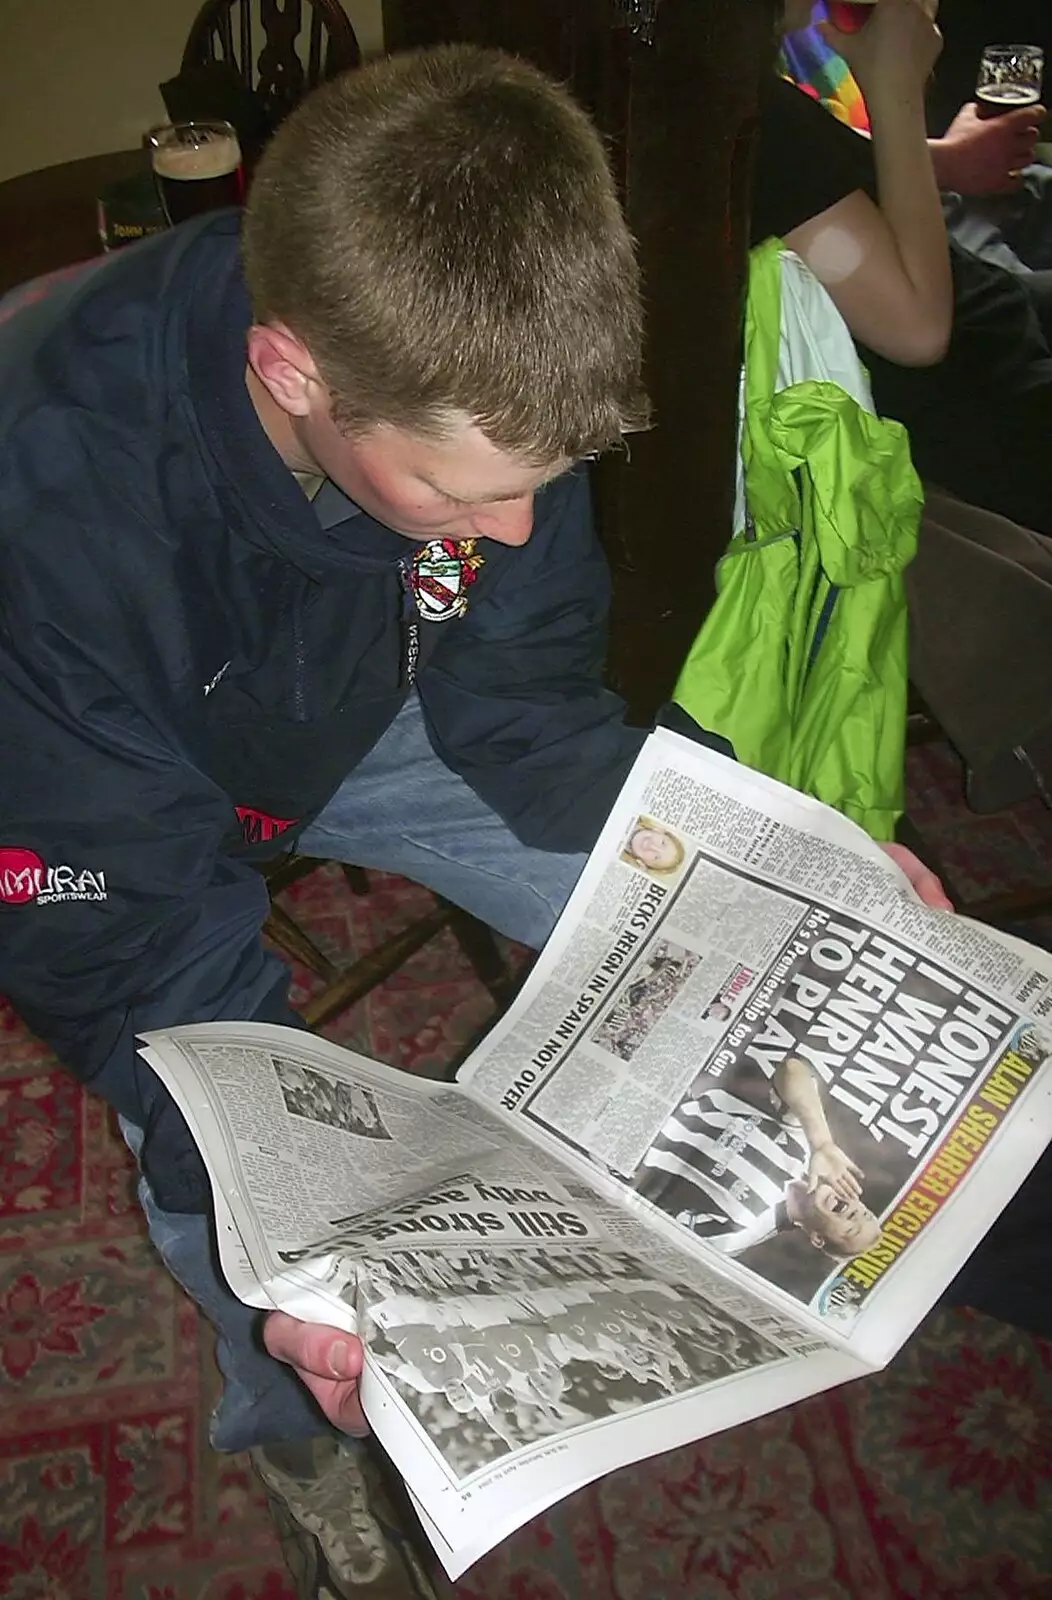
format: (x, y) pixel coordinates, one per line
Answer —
(979, 155)
(829, 1164)
(923, 879)
(327, 1360)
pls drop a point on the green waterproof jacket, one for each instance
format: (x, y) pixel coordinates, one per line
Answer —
(801, 661)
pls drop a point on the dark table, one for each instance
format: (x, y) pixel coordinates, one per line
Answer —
(48, 218)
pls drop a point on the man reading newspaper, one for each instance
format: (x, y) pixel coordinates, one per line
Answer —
(639, 1217)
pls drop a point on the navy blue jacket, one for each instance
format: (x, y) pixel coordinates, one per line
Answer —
(191, 662)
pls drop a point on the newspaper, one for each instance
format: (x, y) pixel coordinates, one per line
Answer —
(751, 1112)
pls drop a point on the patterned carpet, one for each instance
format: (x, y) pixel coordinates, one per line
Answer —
(932, 1480)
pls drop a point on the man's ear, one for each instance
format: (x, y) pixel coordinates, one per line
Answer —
(284, 366)
(817, 1240)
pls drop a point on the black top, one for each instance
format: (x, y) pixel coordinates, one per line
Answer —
(806, 162)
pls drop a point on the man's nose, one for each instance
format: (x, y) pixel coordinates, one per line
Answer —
(506, 521)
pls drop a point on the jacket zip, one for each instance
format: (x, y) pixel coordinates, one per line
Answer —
(410, 628)
(299, 656)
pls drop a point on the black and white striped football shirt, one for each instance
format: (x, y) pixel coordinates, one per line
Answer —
(736, 1160)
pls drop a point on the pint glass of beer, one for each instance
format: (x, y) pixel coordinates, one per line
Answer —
(849, 15)
(196, 167)
(1009, 77)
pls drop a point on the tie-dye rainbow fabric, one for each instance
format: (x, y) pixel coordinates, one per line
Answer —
(816, 68)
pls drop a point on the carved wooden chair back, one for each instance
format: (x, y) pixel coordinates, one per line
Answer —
(279, 48)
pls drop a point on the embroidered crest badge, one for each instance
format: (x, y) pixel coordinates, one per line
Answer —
(443, 571)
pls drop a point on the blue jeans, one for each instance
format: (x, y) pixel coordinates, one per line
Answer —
(401, 810)
(1014, 231)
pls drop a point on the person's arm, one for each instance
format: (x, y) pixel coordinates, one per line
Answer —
(148, 923)
(986, 155)
(168, 930)
(886, 264)
(797, 1088)
(120, 906)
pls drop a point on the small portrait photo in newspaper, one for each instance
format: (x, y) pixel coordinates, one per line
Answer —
(653, 848)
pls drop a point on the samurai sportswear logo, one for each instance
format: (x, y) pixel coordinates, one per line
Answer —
(443, 571)
(25, 878)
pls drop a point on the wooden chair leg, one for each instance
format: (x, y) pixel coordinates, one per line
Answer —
(344, 987)
(287, 870)
(290, 937)
(374, 968)
(481, 949)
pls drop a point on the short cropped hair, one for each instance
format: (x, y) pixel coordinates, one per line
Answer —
(442, 230)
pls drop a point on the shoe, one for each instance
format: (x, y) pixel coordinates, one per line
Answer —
(338, 1531)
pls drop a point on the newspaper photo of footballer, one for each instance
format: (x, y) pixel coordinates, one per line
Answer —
(654, 985)
(316, 1097)
(828, 1097)
(758, 1163)
(495, 1350)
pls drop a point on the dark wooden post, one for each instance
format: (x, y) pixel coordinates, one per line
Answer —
(674, 84)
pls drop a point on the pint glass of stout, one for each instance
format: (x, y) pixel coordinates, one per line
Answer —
(196, 167)
(849, 15)
(1009, 77)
